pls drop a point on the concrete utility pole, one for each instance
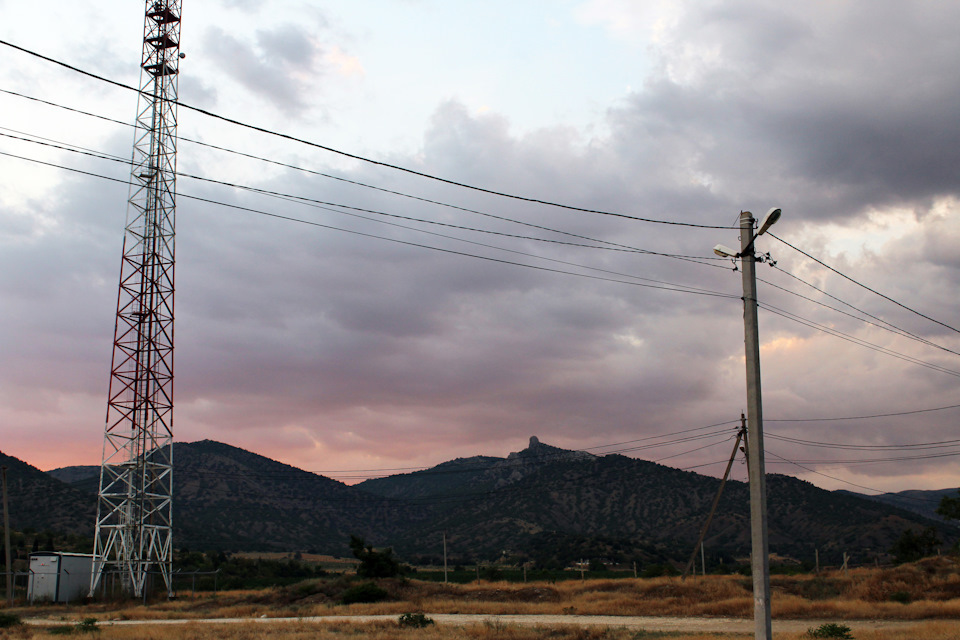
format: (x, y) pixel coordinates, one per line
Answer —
(760, 558)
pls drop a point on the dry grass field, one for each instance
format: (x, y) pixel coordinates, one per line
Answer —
(489, 631)
(927, 593)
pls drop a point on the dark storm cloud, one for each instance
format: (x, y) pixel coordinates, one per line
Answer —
(308, 343)
(857, 99)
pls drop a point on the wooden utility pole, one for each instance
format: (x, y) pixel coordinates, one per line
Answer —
(6, 539)
(716, 501)
(444, 557)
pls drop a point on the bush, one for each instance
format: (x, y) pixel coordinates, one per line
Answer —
(366, 592)
(373, 564)
(817, 589)
(9, 620)
(414, 621)
(903, 597)
(831, 630)
(87, 625)
(492, 574)
(911, 546)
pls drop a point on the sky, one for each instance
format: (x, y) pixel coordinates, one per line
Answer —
(380, 343)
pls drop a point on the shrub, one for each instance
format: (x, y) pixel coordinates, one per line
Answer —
(903, 597)
(911, 546)
(817, 588)
(366, 592)
(9, 620)
(414, 620)
(373, 564)
(87, 625)
(831, 630)
(492, 574)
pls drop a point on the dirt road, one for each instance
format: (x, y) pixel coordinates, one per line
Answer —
(647, 623)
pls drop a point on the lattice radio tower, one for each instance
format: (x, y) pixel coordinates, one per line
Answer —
(134, 512)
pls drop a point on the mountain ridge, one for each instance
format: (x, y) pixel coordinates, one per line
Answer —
(539, 503)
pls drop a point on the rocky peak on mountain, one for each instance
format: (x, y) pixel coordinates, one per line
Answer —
(541, 453)
(520, 463)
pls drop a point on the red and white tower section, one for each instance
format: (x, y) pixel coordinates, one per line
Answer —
(134, 515)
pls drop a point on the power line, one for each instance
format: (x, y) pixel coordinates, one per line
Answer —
(860, 284)
(610, 246)
(66, 108)
(876, 415)
(886, 326)
(863, 343)
(614, 245)
(889, 324)
(852, 484)
(660, 286)
(368, 160)
(498, 464)
(855, 461)
(709, 426)
(943, 444)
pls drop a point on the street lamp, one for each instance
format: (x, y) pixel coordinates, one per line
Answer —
(760, 556)
(769, 220)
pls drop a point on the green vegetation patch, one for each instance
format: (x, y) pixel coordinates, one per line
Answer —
(9, 620)
(362, 593)
(414, 621)
(831, 630)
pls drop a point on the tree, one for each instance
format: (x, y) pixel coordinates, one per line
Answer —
(373, 564)
(950, 507)
(912, 546)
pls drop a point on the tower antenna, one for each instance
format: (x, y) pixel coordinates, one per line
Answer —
(134, 510)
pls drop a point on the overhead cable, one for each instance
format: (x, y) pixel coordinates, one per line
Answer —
(886, 326)
(662, 287)
(608, 245)
(860, 284)
(875, 415)
(353, 156)
(863, 343)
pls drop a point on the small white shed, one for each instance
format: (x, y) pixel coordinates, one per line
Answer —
(59, 577)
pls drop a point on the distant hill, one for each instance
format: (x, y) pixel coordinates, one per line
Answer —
(231, 499)
(467, 475)
(654, 508)
(226, 497)
(73, 475)
(921, 502)
(542, 503)
(41, 502)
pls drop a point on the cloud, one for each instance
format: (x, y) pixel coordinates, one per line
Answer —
(368, 342)
(279, 67)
